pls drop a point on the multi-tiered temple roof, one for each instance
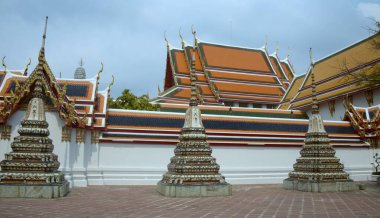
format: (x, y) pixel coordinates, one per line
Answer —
(89, 103)
(332, 75)
(226, 75)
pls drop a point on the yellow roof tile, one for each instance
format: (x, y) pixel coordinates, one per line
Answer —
(353, 56)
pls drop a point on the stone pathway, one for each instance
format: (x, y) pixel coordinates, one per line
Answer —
(246, 201)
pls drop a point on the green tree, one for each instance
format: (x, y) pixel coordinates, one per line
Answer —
(128, 100)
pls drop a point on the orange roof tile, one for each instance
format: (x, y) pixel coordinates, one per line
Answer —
(205, 90)
(251, 98)
(277, 68)
(187, 81)
(198, 62)
(248, 88)
(234, 58)
(184, 80)
(180, 63)
(183, 93)
(99, 106)
(201, 78)
(241, 76)
(286, 68)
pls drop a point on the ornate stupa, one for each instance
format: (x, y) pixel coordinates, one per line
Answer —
(80, 72)
(193, 172)
(318, 170)
(31, 169)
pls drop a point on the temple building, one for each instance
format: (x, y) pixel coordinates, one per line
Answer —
(341, 93)
(226, 76)
(255, 112)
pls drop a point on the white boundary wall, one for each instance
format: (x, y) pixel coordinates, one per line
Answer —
(143, 164)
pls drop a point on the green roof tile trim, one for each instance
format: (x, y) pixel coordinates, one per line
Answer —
(241, 113)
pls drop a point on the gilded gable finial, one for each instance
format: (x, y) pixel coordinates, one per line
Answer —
(27, 67)
(194, 34)
(158, 90)
(4, 65)
(276, 48)
(266, 42)
(166, 40)
(180, 36)
(111, 83)
(100, 71)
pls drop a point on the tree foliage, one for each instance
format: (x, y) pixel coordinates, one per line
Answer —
(128, 100)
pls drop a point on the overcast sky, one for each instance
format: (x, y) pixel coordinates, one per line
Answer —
(127, 36)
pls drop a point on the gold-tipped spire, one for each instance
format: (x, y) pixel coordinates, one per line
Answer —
(44, 35)
(37, 92)
(4, 65)
(27, 67)
(180, 36)
(315, 108)
(193, 99)
(81, 63)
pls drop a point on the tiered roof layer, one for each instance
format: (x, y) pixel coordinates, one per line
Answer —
(225, 74)
(332, 75)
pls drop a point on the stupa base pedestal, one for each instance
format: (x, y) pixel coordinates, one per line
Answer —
(57, 190)
(213, 190)
(322, 186)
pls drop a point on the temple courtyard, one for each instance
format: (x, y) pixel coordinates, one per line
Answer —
(246, 201)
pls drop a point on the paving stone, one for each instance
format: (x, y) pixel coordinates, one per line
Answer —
(246, 201)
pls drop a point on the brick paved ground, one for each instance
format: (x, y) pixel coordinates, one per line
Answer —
(247, 201)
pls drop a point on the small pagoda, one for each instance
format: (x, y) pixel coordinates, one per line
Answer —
(193, 172)
(31, 169)
(318, 170)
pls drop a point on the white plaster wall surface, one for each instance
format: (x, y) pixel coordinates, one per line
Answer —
(376, 97)
(140, 164)
(358, 100)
